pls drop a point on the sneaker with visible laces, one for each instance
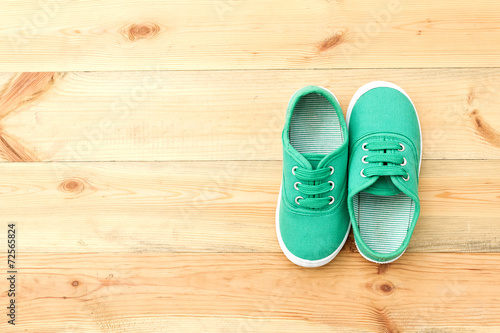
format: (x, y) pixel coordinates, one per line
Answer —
(312, 220)
(385, 153)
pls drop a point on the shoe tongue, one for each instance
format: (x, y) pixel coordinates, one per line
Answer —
(314, 159)
(383, 186)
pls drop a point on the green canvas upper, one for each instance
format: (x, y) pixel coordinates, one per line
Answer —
(312, 215)
(384, 161)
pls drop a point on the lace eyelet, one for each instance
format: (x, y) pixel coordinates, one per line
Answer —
(297, 200)
(332, 170)
(296, 185)
(407, 177)
(332, 200)
(362, 174)
(402, 147)
(332, 184)
(293, 170)
(364, 159)
(404, 163)
(364, 146)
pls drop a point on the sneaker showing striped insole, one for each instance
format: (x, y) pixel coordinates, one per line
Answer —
(312, 221)
(384, 162)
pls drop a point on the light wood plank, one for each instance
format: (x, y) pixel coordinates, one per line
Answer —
(216, 206)
(223, 115)
(55, 35)
(256, 293)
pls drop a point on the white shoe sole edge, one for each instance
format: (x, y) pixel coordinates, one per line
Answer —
(303, 262)
(363, 89)
(374, 261)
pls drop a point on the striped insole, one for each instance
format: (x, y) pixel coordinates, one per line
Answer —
(383, 221)
(315, 126)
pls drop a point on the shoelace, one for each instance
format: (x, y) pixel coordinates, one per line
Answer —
(313, 187)
(393, 163)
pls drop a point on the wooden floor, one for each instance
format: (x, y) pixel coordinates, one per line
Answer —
(141, 162)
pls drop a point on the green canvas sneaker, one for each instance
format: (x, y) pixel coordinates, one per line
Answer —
(385, 153)
(312, 220)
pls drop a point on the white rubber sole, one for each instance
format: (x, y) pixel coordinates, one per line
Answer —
(323, 88)
(299, 261)
(374, 261)
(330, 93)
(365, 88)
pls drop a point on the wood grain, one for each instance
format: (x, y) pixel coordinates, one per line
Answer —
(225, 115)
(157, 207)
(256, 293)
(55, 35)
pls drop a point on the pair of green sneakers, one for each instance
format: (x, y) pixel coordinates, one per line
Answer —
(364, 172)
